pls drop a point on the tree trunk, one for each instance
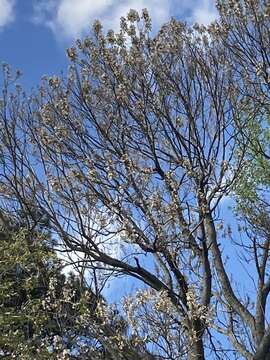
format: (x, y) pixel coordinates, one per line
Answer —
(197, 350)
(197, 347)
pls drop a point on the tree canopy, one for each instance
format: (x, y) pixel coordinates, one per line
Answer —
(132, 156)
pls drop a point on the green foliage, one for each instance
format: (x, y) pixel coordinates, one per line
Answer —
(25, 268)
(254, 179)
(43, 313)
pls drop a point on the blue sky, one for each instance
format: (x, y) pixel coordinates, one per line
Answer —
(35, 33)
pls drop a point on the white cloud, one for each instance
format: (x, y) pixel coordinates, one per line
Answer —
(204, 13)
(6, 12)
(71, 18)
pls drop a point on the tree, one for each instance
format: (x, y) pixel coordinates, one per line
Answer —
(139, 145)
(47, 315)
(27, 264)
